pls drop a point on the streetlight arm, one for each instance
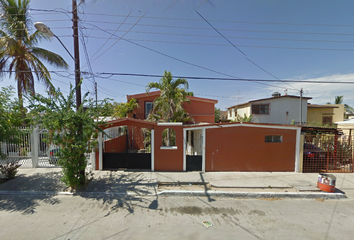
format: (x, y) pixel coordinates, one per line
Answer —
(44, 29)
(64, 46)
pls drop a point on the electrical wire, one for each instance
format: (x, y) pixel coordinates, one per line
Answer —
(183, 61)
(117, 39)
(112, 34)
(216, 36)
(230, 21)
(248, 59)
(228, 29)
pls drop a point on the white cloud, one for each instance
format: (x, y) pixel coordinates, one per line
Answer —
(322, 93)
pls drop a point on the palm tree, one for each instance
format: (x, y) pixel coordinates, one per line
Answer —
(168, 107)
(339, 100)
(18, 54)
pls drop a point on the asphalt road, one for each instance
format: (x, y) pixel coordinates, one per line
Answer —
(127, 217)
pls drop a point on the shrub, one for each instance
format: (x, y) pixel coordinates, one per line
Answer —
(70, 129)
(10, 169)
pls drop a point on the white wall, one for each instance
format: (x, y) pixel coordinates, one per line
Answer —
(240, 111)
(278, 111)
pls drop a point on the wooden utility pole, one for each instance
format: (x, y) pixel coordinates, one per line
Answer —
(77, 56)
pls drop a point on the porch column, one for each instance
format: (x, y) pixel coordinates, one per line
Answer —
(152, 150)
(100, 152)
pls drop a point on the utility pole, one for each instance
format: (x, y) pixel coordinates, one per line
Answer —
(301, 106)
(77, 56)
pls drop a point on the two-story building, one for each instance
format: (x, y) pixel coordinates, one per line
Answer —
(276, 109)
(202, 110)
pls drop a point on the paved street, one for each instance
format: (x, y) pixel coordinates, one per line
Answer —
(126, 217)
(127, 205)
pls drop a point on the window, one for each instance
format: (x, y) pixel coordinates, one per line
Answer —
(260, 109)
(273, 138)
(327, 120)
(148, 108)
(229, 113)
(169, 137)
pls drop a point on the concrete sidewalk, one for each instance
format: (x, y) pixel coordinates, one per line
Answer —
(47, 181)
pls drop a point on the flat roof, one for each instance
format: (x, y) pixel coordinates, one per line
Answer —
(270, 98)
(309, 105)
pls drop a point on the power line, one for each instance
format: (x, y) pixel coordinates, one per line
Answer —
(230, 21)
(248, 59)
(112, 34)
(223, 79)
(118, 38)
(180, 60)
(216, 36)
(228, 29)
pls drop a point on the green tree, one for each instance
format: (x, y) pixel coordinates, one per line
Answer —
(243, 119)
(217, 112)
(58, 114)
(10, 117)
(18, 52)
(340, 100)
(123, 109)
(168, 107)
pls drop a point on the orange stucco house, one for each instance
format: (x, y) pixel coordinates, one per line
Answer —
(200, 109)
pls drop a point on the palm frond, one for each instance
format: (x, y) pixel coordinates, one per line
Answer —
(52, 58)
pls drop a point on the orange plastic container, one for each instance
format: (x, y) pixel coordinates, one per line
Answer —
(326, 182)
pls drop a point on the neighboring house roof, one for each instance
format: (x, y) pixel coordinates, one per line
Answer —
(157, 93)
(264, 99)
(309, 105)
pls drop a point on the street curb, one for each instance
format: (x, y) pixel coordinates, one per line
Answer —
(181, 193)
(298, 195)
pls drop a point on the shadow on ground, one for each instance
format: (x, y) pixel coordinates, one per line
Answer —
(26, 204)
(122, 190)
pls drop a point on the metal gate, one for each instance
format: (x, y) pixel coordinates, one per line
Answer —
(327, 153)
(127, 147)
(194, 162)
(31, 150)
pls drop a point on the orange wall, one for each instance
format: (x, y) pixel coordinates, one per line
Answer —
(244, 149)
(140, 112)
(171, 159)
(201, 111)
(116, 145)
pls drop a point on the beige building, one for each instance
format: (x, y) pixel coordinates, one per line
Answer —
(324, 114)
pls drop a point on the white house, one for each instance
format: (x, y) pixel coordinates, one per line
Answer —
(276, 109)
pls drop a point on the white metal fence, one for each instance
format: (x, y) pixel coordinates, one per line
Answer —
(32, 151)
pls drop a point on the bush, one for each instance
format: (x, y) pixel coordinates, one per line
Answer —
(70, 129)
(10, 169)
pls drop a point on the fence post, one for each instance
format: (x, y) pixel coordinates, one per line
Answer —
(34, 147)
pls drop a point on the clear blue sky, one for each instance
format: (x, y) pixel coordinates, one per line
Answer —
(295, 40)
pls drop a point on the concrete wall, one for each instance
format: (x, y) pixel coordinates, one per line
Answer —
(282, 111)
(201, 110)
(314, 115)
(168, 158)
(244, 149)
